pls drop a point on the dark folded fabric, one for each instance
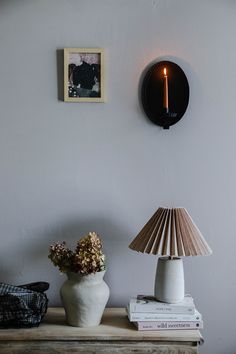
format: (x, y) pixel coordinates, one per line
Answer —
(39, 286)
(20, 306)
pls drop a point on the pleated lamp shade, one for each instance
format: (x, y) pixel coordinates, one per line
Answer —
(171, 232)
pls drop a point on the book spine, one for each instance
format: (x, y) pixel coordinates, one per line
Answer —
(162, 309)
(163, 325)
(134, 317)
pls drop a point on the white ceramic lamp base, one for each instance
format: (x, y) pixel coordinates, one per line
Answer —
(169, 283)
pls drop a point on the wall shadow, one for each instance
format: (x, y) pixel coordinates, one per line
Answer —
(60, 74)
(37, 267)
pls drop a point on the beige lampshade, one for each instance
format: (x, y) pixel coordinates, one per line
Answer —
(171, 232)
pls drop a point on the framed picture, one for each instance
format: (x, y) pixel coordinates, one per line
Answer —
(84, 75)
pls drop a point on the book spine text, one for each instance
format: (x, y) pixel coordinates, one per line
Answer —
(162, 309)
(138, 316)
(163, 325)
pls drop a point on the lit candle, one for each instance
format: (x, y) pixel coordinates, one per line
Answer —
(165, 97)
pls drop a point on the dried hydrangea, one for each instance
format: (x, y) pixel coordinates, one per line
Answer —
(88, 257)
(61, 256)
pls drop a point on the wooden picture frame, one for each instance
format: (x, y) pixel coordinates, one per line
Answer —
(84, 75)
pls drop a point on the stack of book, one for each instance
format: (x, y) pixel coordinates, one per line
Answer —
(148, 314)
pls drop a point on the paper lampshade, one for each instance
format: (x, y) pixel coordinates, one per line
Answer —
(171, 232)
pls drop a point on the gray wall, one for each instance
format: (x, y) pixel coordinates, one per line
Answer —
(70, 168)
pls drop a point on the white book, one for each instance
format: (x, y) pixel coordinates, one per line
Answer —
(149, 304)
(164, 325)
(142, 316)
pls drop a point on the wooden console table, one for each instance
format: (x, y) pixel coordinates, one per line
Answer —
(115, 335)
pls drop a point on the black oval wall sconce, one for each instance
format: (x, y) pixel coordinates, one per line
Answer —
(165, 93)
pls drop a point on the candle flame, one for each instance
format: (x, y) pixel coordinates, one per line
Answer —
(165, 72)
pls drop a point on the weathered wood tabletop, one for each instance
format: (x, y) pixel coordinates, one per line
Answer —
(114, 335)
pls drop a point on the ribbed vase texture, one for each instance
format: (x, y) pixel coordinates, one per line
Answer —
(84, 298)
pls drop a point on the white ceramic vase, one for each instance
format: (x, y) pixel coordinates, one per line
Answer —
(84, 298)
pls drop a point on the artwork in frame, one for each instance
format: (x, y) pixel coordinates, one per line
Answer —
(84, 75)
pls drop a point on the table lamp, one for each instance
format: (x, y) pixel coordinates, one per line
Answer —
(171, 233)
